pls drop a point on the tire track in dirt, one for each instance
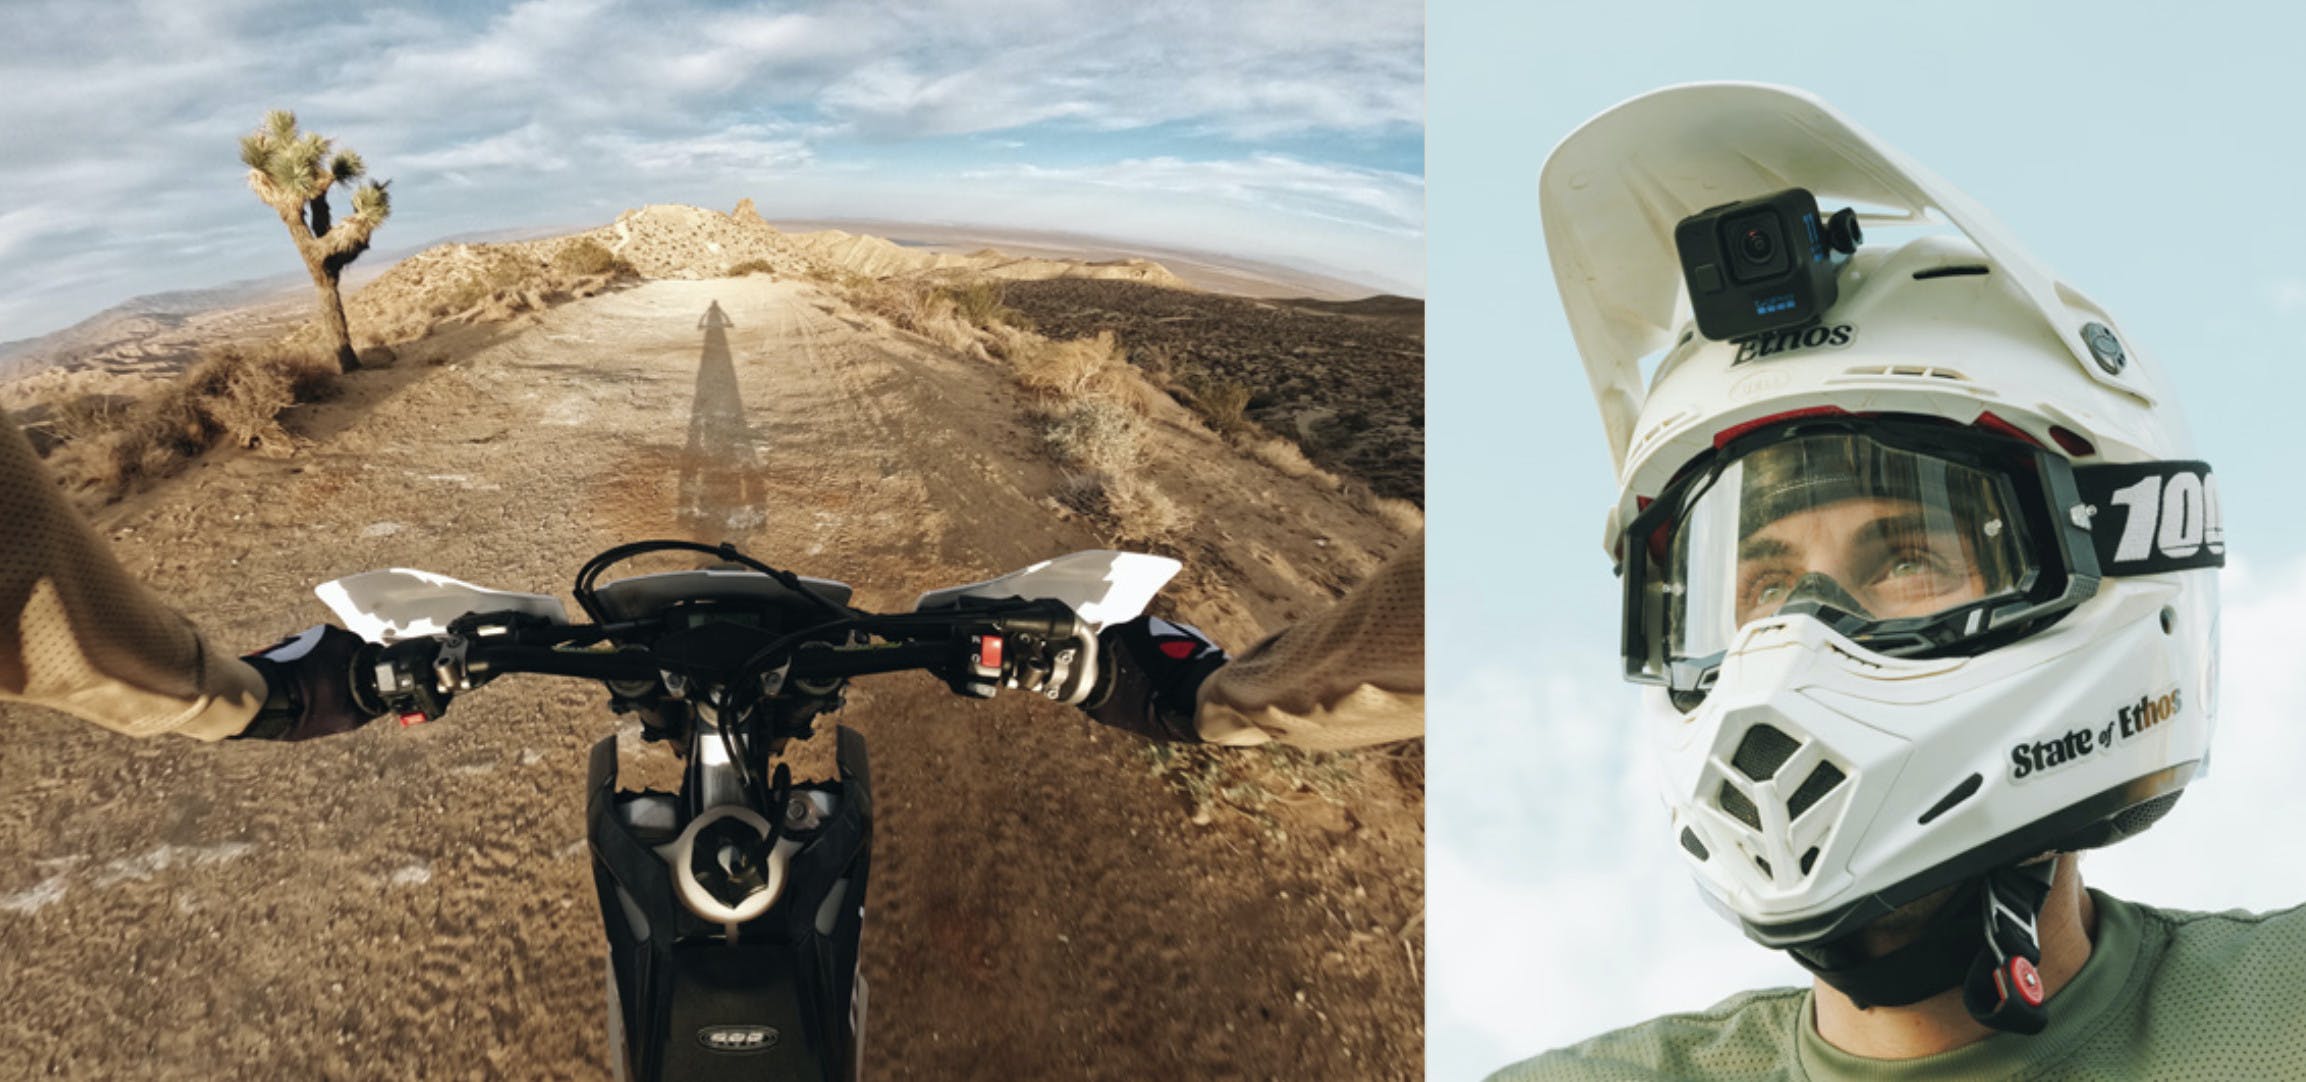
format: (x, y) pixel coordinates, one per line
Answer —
(402, 904)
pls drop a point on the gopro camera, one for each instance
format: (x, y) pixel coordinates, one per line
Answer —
(1763, 264)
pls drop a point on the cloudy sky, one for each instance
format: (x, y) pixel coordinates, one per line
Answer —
(1288, 132)
(1558, 907)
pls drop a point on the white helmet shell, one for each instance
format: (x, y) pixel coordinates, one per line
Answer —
(1819, 783)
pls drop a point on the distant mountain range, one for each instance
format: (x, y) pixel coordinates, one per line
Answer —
(140, 319)
(163, 331)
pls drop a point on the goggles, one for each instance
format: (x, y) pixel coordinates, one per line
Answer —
(1911, 537)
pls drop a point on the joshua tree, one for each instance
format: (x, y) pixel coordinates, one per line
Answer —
(292, 172)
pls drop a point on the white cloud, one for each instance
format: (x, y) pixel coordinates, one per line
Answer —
(1369, 198)
(553, 110)
(741, 150)
(526, 149)
(24, 225)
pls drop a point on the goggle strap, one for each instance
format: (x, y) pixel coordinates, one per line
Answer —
(2148, 518)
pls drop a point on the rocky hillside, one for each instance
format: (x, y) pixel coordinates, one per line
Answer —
(671, 241)
(1344, 380)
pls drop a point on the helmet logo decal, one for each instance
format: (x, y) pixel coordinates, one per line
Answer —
(2186, 506)
(1771, 343)
(2042, 756)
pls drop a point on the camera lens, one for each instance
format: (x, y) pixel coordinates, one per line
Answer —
(1757, 246)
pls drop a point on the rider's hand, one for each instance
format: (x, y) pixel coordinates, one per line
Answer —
(309, 682)
(1150, 677)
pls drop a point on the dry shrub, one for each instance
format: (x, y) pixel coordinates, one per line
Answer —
(1224, 403)
(750, 266)
(233, 395)
(965, 316)
(1290, 460)
(1156, 359)
(1142, 512)
(1125, 385)
(1400, 514)
(498, 273)
(467, 292)
(89, 416)
(586, 257)
(977, 302)
(1097, 434)
(1065, 369)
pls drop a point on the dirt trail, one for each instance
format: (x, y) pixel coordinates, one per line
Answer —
(417, 903)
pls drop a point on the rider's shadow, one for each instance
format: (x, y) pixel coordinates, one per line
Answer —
(720, 485)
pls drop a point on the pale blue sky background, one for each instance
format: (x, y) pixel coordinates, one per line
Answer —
(2155, 160)
(1289, 132)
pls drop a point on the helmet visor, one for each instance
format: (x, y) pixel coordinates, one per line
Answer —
(1869, 537)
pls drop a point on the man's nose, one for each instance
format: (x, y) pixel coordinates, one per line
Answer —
(1820, 587)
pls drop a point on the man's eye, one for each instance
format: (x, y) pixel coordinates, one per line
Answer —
(1763, 593)
(1917, 567)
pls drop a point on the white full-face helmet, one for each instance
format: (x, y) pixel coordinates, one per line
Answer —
(1929, 580)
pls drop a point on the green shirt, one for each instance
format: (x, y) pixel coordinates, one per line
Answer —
(2212, 997)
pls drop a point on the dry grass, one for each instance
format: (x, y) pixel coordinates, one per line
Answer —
(914, 305)
(1091, 399)
(1249, 781)
(1401, 514)
(232, 397)
(964, 314)
(1065, 369)
(1224, 403)
(588, 257)
(1289, 459)
(498, 273)
(977, 301)
(750, 266)
(1142, 513)
(88, 416)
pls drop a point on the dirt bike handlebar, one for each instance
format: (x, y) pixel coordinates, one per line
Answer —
(1036, 646)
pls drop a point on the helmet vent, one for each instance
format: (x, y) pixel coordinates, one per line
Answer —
(1950, 272)
(1738, 807)
(2138, 817)
(1946, 803)
(1813, 789)
(1903, 371)
(2076, 446)
(1808, 859)
(1696, 848)
(1764, 749)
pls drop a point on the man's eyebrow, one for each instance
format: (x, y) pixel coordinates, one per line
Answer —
(1762, 548)
(1894, 525)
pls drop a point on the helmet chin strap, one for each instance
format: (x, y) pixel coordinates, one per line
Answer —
(1984, 940)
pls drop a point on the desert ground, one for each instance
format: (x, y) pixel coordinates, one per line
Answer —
(1050, 899)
